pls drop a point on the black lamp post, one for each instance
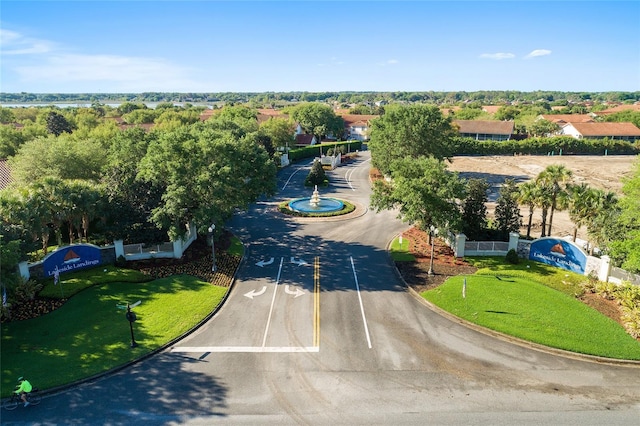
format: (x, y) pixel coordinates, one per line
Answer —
(131, 317)
(213, 249)
(433, 231)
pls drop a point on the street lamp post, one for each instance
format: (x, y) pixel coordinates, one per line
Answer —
(433, 232)
(213, 249)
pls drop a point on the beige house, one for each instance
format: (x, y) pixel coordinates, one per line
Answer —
(485, 130)
(356, 127)
(618, 131)
(561, 119)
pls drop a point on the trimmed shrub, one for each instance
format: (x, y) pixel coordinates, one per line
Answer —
(512, 257)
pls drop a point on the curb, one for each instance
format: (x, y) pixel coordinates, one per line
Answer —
(96, 377)
(510, 339)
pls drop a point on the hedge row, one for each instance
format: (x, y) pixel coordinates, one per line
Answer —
(314, 150)
(565, 145)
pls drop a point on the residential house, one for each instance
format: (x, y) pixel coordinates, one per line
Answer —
(267, 113)
(491, 109)
(482, 130)
(562, 119)
(356, 127)
(620, 108)
(305, 140)
(618, 131)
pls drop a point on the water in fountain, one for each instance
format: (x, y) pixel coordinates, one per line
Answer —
(316, 204)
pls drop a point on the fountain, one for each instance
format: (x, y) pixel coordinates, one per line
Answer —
(316, 204)
(315, 197)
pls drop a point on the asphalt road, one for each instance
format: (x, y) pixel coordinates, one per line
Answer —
(319, 329)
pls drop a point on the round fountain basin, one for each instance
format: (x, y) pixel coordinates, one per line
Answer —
(325, 205)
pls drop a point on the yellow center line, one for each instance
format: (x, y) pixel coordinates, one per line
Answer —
(316, 302)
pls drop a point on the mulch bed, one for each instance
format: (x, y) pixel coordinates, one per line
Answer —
(445, 264)
(196, 261)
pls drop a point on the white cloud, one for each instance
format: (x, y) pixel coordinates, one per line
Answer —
(538, 52)
(497, 56)
(124, 72)
(47, 61)
(387, 62)
(13, 43)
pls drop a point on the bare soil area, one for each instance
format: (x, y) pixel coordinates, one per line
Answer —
(603, 172)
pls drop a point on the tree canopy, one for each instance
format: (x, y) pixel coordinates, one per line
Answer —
(626, 248)
(424, 191)
(318, 119)
(409, 131)
(207, 174)
(64, 157)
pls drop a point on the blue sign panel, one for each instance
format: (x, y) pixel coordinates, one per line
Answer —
(559, 253)
(71, 258)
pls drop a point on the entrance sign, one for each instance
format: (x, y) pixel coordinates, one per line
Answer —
(71, 258)
(558, 253)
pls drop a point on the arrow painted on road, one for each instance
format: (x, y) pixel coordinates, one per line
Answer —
(300, 262)
(297, 291)
(263, 263)
(254, 293)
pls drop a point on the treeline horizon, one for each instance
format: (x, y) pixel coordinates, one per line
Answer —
(486, 97)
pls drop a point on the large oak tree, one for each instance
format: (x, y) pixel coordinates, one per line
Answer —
(424, 191)
(409, 131)
(208, 173)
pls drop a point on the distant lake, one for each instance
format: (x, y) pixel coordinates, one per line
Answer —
(151, 105)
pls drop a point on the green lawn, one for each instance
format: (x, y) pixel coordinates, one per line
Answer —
(400, 252)
(89, 334)
(520, 306)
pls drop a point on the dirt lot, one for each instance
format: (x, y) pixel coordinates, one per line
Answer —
(597, 171)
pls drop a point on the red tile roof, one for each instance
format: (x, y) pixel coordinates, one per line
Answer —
(491, 109)
(357, 119)
(606, 129)
(568, 118)
(304, 139)
(486, 127)
(620, 108)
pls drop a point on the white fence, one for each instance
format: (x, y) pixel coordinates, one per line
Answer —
(491, 248)
(331, 161)
(598, 266)
(167, 250)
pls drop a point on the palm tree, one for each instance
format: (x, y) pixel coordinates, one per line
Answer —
(579, 200)
(554, 175)
(602, 206)
(544, 200)
(527, 195)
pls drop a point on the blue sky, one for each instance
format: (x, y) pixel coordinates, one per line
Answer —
(242, 46)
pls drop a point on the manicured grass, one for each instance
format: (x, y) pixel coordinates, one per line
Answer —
(236, 248)
(400, 252)
(71, 284)
(89, 334)
(560, 279)
(524, 308)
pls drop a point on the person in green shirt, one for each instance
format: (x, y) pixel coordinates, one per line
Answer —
(23, 388)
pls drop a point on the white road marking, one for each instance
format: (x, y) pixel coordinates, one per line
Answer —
(349, 173)
(273, 300)
(238, 349)
(364, 318)
(254, 293)
(296, 171)
(296, 293)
